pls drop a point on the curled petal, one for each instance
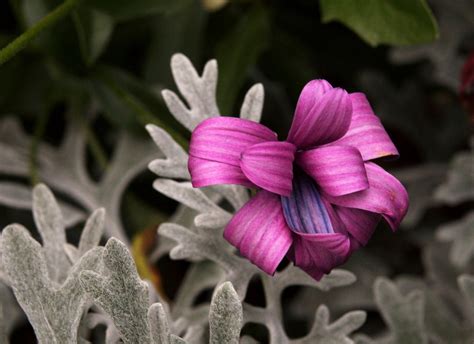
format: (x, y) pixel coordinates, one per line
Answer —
(270, 166)
(338, 170)
(318, 254)
(326, 121)
(359, 223)
(223, 139)
(385, 196)
(259, 231)
(366, 132)
(311, 93)
(205, 172)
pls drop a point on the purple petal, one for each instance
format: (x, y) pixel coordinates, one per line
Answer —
(204, 173)
(270, 166)
(359, 223)
(304, 210)
(223, 139)
(216, 146)
(318, 254)
(338, 170)
(310, 94)
(259, 231)
(366, 132)
(326, 121)
(385, 196)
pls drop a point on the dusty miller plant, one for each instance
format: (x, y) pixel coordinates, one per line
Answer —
(66, 290)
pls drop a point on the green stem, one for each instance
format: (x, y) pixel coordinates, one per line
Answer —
(26, 37)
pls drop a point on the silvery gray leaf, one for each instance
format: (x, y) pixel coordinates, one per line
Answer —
(3, 314)
(16, 195)
(121, 294)
(160, 330)
(420, 182)
(225, 315)
(461, 234)
(333, 333)
(404, 314)
(50, 224)
(93, 320)
(199, 92)
(459, 185)
(253, 103)
(64, 168)
(53, 309)
(466, 284)
(176, 163)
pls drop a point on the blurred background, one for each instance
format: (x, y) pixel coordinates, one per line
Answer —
(100, 71)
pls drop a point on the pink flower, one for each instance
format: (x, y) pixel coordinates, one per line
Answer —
(319, 195)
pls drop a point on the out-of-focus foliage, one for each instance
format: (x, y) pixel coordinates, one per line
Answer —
(399, 22)
(74, 106)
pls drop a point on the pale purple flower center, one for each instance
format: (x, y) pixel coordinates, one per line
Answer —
(304, 209)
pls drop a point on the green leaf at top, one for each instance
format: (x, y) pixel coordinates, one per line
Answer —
(130, 9)
(94, 29)
(237, 52)
(396, 22)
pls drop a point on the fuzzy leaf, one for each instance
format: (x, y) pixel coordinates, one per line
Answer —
(198, 91)
(338, 331)
(403, 314)
(397, 22)
(225, 315)
(253, 103)
(92, 231)
(160, 330)
(53, 310)
(466, 283)
(459, 186)
(122, 294)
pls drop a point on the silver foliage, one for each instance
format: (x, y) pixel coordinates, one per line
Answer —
(64, 169)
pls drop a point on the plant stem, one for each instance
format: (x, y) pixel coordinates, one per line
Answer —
(50, 19)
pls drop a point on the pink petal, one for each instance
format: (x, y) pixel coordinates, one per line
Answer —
(318, 254)
(216, 146)
(259, 231)
(223, 139)
(326, 121)
(204, 173)
(270, 166)
(310, 94)
(366, 132)
(359, 223)
(338, 170)
(385, 196)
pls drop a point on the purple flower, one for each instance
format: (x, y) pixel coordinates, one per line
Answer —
(319, 195)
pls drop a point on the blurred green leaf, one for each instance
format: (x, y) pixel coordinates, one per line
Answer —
(94, 29)
(397, 22)
(126, 9)
(237, 52)
(130, 103)
(59, 41)
(180, 31)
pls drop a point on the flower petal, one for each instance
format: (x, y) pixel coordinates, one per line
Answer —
(326, 121)
(318, 254)
(385, 196)
(310, 94)
(223, 139)
(204, 173)
(338, 170)
(359, 223)
(260, 232)
(270, 166)
(366, 132)
(304, 210)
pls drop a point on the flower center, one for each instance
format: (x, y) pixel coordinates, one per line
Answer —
(304, 209)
